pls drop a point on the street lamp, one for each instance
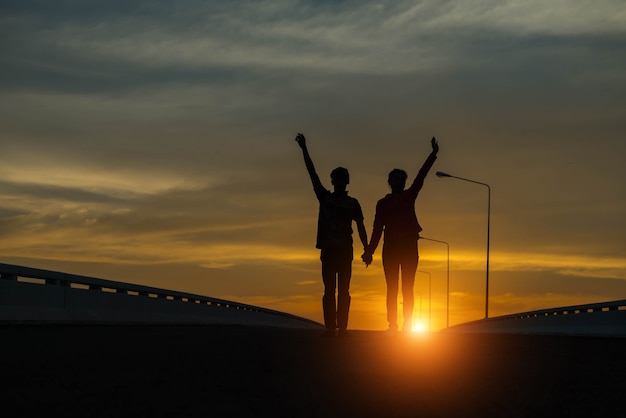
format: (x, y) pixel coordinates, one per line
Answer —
(447, 278)
(430, 296)
(442, 174)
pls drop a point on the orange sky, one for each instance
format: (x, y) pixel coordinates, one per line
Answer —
(154, 145)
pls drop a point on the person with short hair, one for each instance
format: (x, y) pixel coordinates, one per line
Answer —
(337, 211)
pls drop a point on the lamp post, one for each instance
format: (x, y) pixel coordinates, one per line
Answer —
(447, 278)
(442, 174)
(430, 296)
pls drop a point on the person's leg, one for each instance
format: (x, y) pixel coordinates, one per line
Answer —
(409, 268)
(391, 268)
(344, 274)
(329, 277)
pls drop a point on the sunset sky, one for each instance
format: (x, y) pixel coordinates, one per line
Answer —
(153, 143)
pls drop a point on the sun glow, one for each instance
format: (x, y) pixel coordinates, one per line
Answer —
(418, 328)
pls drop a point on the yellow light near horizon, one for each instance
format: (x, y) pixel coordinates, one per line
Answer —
(419, 328)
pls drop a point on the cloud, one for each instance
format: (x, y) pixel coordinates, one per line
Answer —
(116, 47)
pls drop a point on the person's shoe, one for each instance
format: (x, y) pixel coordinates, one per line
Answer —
(343, 333)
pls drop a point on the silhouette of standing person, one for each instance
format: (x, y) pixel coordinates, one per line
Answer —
(395, 215)
(337, 210)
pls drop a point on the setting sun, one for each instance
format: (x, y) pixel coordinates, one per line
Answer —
(419, 327)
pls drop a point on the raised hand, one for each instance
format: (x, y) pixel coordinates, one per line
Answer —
(301, 140)
(435, 145)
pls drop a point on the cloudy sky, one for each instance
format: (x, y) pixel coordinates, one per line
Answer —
(153, 142)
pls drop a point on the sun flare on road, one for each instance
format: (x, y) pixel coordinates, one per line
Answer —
(418, 328)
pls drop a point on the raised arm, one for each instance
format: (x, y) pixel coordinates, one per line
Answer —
(301, 140)
(421, 175)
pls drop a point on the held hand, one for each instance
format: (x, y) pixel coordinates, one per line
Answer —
(435, 145)
(301, 140)
(367, 258)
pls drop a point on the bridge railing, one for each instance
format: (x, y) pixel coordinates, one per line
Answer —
(600, 319)
(20, 289)
(615, 305)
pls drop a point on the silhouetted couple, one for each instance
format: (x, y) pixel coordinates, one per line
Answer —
(395, 217)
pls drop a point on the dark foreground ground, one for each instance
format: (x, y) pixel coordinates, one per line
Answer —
(210, 371)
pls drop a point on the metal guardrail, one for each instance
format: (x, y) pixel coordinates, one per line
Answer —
(11, 272)
(615, 305)
(601, 318)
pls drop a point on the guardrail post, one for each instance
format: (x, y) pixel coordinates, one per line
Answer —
(58, 282)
